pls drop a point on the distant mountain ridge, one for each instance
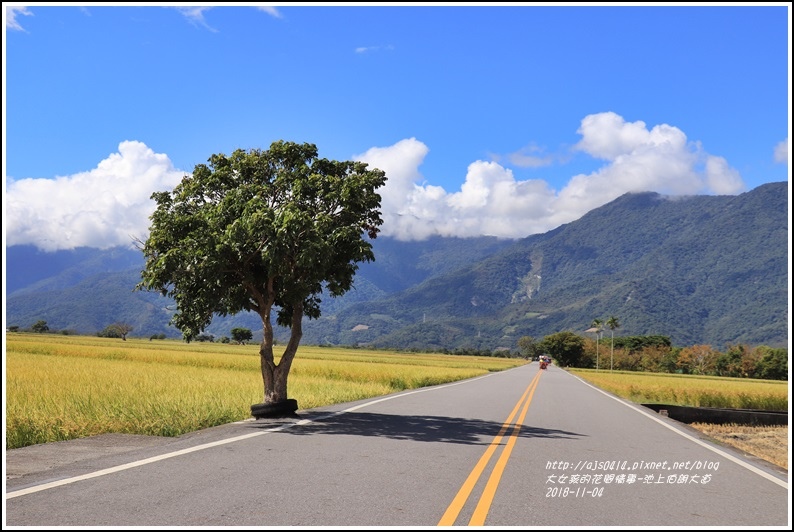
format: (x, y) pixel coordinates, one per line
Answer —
(85, 289)
(699, 269)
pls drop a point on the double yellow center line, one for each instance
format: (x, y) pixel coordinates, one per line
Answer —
(484, 504)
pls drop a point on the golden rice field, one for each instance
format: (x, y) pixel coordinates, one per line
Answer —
(691, 390)
(66, 387)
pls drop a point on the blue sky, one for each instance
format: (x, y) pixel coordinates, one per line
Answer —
(503, 120)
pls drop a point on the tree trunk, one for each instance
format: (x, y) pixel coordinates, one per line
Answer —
(274, 376)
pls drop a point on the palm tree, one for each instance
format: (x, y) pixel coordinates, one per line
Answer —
(613, 324)
(597, 326)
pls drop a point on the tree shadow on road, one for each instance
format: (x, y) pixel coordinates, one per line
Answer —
(418, 428)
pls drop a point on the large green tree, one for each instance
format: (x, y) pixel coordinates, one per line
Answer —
(241, 334)
(529, 347)
(262, 231)
(773, 363)
(116, 330)
(565, 347)
(40, 327)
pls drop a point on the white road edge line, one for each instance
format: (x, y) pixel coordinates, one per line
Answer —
(751, 467)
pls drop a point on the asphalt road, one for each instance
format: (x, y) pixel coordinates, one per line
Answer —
(517, 448)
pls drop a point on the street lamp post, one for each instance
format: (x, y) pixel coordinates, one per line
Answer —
(598, 341)
(597, 330)
(596, 349)
(613, 324)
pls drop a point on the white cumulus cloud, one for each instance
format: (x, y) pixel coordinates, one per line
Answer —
(104, 207)
(492, 201)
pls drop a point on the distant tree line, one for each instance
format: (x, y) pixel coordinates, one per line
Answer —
(239, 335)
(656, 354)
(38, 327)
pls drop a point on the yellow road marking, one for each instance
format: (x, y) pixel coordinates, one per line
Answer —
(463, 494)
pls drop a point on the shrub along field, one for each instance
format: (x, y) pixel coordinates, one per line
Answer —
(65, 387)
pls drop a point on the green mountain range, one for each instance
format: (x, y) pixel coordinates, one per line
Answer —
(698, 269)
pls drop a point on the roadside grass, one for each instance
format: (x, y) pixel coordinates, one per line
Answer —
(67, 387)
(770, 443)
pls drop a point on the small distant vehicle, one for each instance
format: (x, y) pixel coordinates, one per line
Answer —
(544, 362)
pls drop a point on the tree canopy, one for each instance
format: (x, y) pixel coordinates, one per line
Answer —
(241, 334)
(262, 230)
(40, 327)
(116, 330)
(529, 347)
(565, 347)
